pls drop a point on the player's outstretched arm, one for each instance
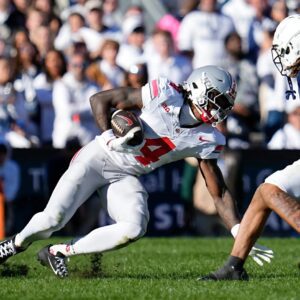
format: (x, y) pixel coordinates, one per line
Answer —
(120, 98)
(216, 186)
(227, 209)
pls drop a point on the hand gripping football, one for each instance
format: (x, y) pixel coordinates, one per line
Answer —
(123, 121)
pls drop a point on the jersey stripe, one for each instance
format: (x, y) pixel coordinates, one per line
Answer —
(154, 88)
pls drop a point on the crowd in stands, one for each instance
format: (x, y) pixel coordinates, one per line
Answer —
(55, 54)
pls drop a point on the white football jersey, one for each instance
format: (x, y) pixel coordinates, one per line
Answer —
(164, 140)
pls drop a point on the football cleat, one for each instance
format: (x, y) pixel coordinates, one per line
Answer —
(58, 262)
(8, 249)
(227, 273)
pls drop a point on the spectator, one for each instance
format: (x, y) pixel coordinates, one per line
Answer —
(43, 40)
(244, 118)
(74, 30)
(20, 38)
(242, 20)
(132, 49)
(45, 6)
(169, 23)
(202, 33)
(279, 11)
(108, 64)
(11, 17)
(255, 34)
(272, 87)
(35, 19)
(73, 117)
(47, 86)
(112, 15)
(95, 21)
(13, 117)
(10, 182)
(163, 61)
(77, 8)
(27, 68)
(288, 137)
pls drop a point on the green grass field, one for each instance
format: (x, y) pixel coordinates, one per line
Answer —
(157, 268)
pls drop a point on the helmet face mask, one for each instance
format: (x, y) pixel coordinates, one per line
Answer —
(212, 92)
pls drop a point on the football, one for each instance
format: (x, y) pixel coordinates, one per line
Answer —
(122, 121)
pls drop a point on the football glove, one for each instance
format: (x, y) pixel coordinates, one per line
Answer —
(119, 144)
(259, 254)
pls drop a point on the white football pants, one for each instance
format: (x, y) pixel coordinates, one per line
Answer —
(123, 195)
(287, 179)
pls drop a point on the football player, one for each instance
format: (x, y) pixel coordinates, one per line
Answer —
(179, 121)
(281, 190)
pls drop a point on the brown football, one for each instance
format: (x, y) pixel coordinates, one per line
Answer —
(122, 121)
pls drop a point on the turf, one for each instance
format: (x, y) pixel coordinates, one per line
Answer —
(154, 268)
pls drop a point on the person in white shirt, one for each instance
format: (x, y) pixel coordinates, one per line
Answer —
(95, 22)
(48, 89)
(288, 137)
(108, 63)
(14, 119)
(271, 87)
(73, 118)
(178, 121)
(132, 48)
(74, 30)
(202, 33)
(163, 60)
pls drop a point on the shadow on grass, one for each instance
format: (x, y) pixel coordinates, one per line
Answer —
(13, 270)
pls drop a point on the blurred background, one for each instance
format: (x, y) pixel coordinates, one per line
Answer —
(55, 54)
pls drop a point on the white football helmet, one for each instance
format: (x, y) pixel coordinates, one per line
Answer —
(286, 46)
(212, 91)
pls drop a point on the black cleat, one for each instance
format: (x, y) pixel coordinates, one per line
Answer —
(8, 249)
(227, 273)
(58, 262)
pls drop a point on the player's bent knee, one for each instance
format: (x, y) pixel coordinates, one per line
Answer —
(54, 221)
(133, 232)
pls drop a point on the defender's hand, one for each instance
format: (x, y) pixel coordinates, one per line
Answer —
(261, 254)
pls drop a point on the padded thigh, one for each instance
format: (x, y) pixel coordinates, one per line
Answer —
(127, 201)
(287, 179)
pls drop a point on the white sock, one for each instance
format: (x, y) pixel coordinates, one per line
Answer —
(18, 241)
(66, 249)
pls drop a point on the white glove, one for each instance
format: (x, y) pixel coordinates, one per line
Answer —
(258, 253)
(261, 254)
(119, 144)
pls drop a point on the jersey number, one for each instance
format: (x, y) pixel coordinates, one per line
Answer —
(161, 146)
